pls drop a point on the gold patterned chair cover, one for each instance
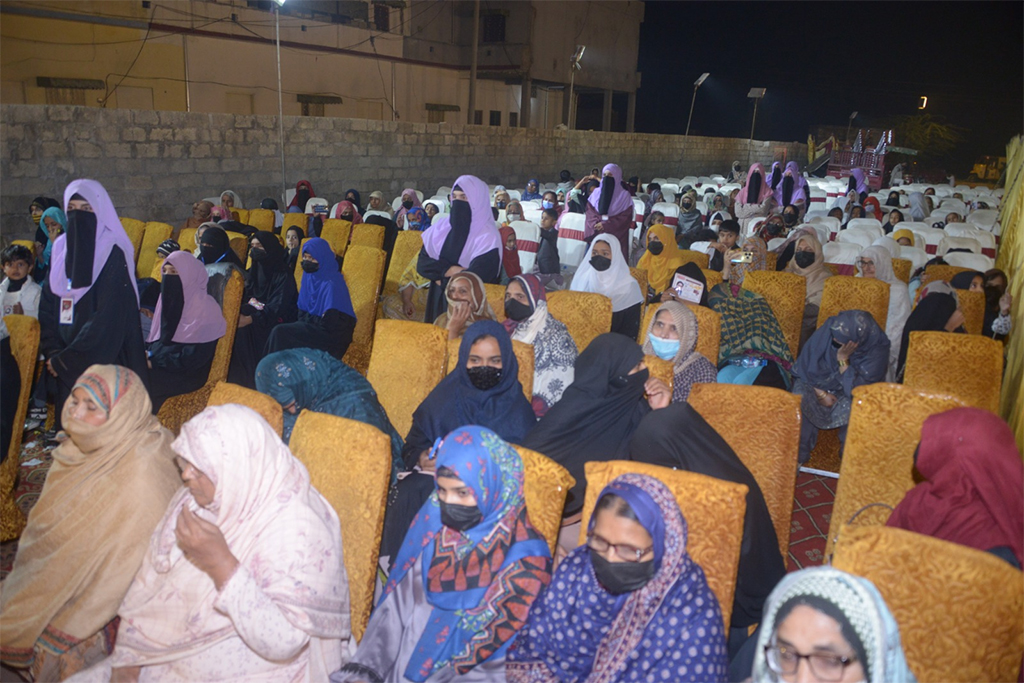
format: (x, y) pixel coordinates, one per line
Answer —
(972, 304)
(969, 366)
(771, 261)
(833, 268)
(939, 272)
(368, 235)
(524, 356)
(496, 300)
(709, 329)
(713, 510)
(691, 256)
(407, 246)
(960, 610)
(545, 486)
(24, 331)
(153, 235)
(270, 410)
(901, 268)
(786, 294)
(240, 215)
(585, 314)
(847, 293)
(661, 369)
(262, 219)
(878, 461)
(349, 463)
(336, 232)
(135, 229)
(407, 362)
(240, 245)
(640, 275)
(298, 220)
(364, 272)
(177, 410)
(768, 447)
(187, 240)
(298, 264)
(712, 276)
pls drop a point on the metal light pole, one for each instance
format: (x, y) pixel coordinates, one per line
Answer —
(473, 63)
(574, 66)
(755, 94)
(848, 124)
(280, 96)
(696, 85)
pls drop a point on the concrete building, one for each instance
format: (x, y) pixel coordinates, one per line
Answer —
(375, 59)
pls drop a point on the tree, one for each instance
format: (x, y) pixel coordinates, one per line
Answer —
(932, 138)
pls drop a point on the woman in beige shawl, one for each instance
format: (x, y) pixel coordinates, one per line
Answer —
(111, 480)
(809, 262)
(467, 303)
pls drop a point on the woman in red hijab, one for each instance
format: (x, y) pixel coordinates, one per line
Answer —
(872, 206)
(509, 253)
(973, 493)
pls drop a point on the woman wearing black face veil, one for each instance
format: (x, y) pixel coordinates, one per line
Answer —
(215, 247)
(89, 311)
(467, 239)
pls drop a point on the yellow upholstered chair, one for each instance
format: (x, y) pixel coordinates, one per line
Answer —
(135, 229)
(364, 272)
(368, 234)
(847, 293)
(771, 260)
(407, 362)
(640, 275)
(959, 609)
(661, 369)
(153, 235)
(709, 329)
(713, 510)
(496, 300)
(972, 304)
(262, 219)
(785, 293)
(768, 446)
(524, 356)
(24, 331)
(969, 366)
(878, 460)
(349, 463)
(158, 269)
(833, 268)
(545, 485)
(269, 409)
(298, 220)
(336, 232)
(177, 410)
(901, 268)
(239, 245)
(187, 240)
(407, 245)
(586, 315)
(712, 276)
(298, 264)
(28, 244)
(698, 257)
(939, 272)
(241, 215)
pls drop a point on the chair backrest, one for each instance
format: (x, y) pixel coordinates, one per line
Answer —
(527, 243)
(958, 609)
(239, 244)
(269, 409)
(545, 487)
(861, 238)
(878, 457)
(407, 362)
(262, 219)
(841, 253)
(713, 277)
(939, 272)
(24, 331)
(901, 268)
(364, 273)
(368, 234)
(153, 235)
(349, 463)
(298, 220)
(846, 293)
(640, 275)
(585, 314)
(661, 369)
(298, 264)
(407, 246)
(240, 215)
(972, 304)
(496, 300)
(917, 257)
(985, 219)
(315, 203)
(947, 243)
(571, 245)
(336, 232)
(226, 285)
(524, 356)
(967, 261)
(135, 229)
(698, 257)
(187, 240)
(713, 510)
(932, 238)
(871, 225)
(785, 293)
(969, 366)
(671, 212)
(769, 447)
(831, 222)
(709, 329)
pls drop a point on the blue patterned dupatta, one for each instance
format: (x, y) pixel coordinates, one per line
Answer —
(481, 582)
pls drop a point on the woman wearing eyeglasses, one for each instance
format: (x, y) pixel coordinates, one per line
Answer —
(629, 605)
(822, 624)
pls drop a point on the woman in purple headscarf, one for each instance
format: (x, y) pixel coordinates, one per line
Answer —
(755, 199)
(792, 189)
(410, 200)
(89, 311)
(610, 209)
(187, 323)
(858, 184)
(465, 239)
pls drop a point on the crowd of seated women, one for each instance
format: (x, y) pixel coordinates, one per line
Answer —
(239, 573)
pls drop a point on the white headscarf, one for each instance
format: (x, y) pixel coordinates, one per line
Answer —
(616, 283)
(899, 299)
(889, 244)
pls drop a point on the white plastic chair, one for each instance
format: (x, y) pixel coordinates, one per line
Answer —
(670, 188)
(705, 180)
(375, 212)
(984, 219)
(515, 194)
(703, 208)
(669, 197)
(532, 213)
(316, 201)
(638, 209)
(862, 238)
(917, 256)
(671, 212)
(830, 222)
(870, 225)
(978, 262)
(775, 241)
(702, 247)
(948, 243)
(815, 213)
(571, 245)
(841, 253)
(932, 237)
(439, 204)
(527, 242)
(443, 191)
(818, 197)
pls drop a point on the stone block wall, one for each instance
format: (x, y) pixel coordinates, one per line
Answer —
(155, 164)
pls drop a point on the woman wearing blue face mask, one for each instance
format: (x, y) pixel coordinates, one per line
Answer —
(672, 336)
(549, 200)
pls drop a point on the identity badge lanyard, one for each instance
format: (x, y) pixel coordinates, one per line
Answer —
(67, 308)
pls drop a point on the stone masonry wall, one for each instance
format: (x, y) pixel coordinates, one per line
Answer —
(156, 164)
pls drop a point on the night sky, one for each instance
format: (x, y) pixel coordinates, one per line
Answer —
(820, 61)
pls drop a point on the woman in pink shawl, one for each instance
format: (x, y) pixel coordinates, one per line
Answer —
(347, 211)
(610, 209)
(410, 200)
(792, 189)
(858, 184)
(465, 239)
(187, 323)
(244, 578)
(755, 199)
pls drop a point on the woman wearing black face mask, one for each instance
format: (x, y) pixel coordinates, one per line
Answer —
(631, 605)
(610, 210)
(89, 311)
(215, 247)
(604, 271)
(809, 263)
(483, 390)
(269, 300)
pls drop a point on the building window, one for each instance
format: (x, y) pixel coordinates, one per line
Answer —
(513, 119)
(494, 28)
(69, 90)
(312, 108)
(478, 117)
(381, 16)
(315, 105)
(495, 118)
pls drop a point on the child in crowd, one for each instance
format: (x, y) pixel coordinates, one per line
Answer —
(548, 268)
(19, 292)
(728, 235)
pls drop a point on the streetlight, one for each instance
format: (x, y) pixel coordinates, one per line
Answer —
(696, 84)
(574, 66)
(755, 94)
(848, 124)
(280, 97)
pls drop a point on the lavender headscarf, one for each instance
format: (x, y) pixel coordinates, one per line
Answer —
(799, 193)
(858, 175)
(483, 231)
(621, 199)
(201, 318)
(109, 234)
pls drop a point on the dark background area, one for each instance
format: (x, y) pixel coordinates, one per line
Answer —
(820, 61)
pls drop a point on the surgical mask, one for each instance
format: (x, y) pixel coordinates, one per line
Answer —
(460, 517)
(484, 377)
(257, 254)
(310, 266)
(665, 349)
(517, 310)
(655, 248)
(548, 204)
(513, 217)
(804, 259)
(621, 577)
(407, 203)
(789, 218)
(600, 263)
(501, 204)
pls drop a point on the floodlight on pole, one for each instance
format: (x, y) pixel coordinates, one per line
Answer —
(574, 66)
(696, 84)
(848, 124)
(280, 96)
(755, 94)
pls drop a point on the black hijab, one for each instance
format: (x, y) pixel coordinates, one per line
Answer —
(81, 247)
(965, 279)
(930, 315)
(598, 412)
(818, 364)
(893, 199)
(259, 279)
(776, 177)
(678, 437)
(693, 271)
(215, 247)
(172, 294)
(43, 203)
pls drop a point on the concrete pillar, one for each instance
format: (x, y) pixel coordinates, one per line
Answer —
(606, 112)
(631, 113)
(525, 103)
